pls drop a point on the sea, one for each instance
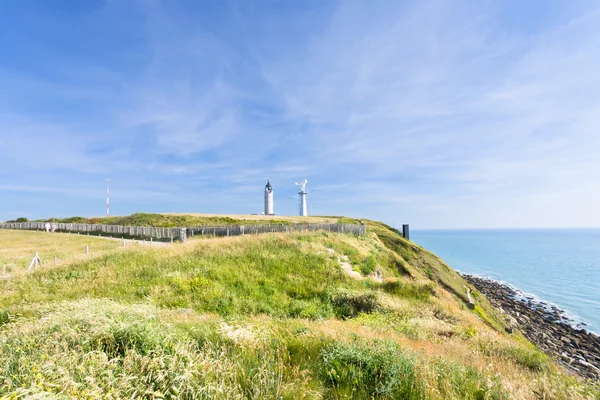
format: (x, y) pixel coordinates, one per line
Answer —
(557, 266)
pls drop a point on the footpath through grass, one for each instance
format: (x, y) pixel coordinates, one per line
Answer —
(261, 317)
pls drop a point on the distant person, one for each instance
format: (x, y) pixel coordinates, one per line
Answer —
(47, 226)
(53, 227)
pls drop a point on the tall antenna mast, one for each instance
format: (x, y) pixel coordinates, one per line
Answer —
(107, 195)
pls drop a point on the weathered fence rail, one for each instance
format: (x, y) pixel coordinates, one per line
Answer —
(183, 233)
(238, 230)
(112, 230)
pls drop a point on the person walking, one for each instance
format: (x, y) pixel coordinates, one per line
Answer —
(47, 226)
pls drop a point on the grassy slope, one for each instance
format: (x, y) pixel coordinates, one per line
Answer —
(269, 316)
(176, 220)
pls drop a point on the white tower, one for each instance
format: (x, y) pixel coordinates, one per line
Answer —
(302, 200)
(269, 198)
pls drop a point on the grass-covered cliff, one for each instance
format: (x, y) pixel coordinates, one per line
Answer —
(264, 316)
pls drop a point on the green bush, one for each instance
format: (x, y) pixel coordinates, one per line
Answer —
(348, 304)
(417, 291)
(364, 371)
(383, 370)
(4, 317)
(369, 266)
(75, 220)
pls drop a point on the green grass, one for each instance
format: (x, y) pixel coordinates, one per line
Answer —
(261, 317)
(185, 220)
(383, 370)
(84, 349)
(417, 261)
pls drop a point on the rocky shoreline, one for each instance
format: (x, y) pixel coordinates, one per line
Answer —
(545, 325)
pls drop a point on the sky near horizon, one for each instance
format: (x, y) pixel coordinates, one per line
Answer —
(441, 114)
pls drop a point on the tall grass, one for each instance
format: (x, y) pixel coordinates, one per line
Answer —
(258, 317)
(99, 348)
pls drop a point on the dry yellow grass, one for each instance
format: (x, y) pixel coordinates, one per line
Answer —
(17, 248)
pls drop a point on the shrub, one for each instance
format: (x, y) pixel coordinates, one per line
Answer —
(417, 291)
(369, 265)
(380, 370)
(21, 219)
(76, 220)
(348, 304)
(4, 317)
(383, 370)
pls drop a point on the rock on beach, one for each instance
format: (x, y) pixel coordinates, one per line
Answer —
(546, 326)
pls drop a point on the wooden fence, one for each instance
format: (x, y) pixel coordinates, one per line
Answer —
(237, 230)
(183, 233)
(109, 230)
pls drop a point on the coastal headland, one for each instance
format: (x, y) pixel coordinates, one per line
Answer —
(310, 314)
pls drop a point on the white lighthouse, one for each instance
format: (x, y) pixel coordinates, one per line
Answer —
(269, 198)
(302, 200)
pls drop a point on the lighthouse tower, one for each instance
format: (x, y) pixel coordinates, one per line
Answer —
(302, 200)
(269, 198)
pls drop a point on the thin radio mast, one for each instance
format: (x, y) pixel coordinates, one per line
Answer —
(107, 195)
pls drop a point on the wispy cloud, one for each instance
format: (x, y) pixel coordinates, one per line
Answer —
(441, 113)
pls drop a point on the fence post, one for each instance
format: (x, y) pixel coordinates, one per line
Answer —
(34, 262)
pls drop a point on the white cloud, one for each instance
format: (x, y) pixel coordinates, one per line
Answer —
(439, 111)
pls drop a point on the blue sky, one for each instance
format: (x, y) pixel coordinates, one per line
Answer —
(441, 114)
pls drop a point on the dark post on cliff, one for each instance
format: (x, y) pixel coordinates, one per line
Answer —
(405, 232)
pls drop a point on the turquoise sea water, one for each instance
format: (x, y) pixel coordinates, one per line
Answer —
(560, 266)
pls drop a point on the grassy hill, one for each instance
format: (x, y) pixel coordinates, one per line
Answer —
(177, 220)
(264, 316)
